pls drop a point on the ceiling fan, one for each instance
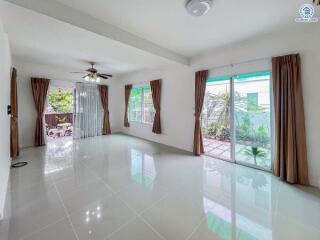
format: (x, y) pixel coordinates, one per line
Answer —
(92, 74)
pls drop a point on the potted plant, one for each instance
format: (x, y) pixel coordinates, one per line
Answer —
(212, 130)
(223, 133)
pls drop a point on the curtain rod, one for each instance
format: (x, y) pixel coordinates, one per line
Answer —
(140, 83)
(239, 63)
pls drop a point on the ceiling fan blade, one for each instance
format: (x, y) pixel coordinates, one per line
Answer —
(77, 72)
(103, 74)
(104, 77)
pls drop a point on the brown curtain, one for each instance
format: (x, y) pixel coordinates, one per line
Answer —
(127, 91)
(104, 99)
(200, 90)
(39, 89)
(156, 93)
(290, 143)
(14, 130)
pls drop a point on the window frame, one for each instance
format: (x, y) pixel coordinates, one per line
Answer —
(141, 121)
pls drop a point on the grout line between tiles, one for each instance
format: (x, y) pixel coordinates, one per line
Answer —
(121, 227)
(142, 219)
(66, 212)
(153, 204)
(43, 228)
(152, 228)
(137, 215)
(99, 178)
(196, 228)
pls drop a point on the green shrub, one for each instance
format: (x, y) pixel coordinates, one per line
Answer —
(255, 152)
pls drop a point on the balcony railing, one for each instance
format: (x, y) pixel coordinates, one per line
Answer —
(53, 119)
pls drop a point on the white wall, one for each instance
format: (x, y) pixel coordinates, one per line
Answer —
(177, 106)
(59, 78)
(5, 160)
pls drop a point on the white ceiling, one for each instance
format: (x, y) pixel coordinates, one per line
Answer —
(166, 22)
(130, 35)
(36, 38)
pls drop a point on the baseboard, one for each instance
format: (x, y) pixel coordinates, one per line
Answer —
(5, 192)
(165, 145)
(315, 182)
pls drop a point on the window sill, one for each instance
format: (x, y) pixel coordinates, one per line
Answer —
(143, 123)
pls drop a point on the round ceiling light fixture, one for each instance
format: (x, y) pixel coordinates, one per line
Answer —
(198, 7)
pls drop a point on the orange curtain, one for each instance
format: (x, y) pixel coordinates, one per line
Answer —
(104, 100)
(127, 91)
(39, 89)
(290, 145)
(200, 90)
(156, 93)
(14, 130)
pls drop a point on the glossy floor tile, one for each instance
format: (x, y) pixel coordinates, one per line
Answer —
(59, 230)
(119, 187)
(101, 218)
(35, 213)
(140, 197)
(135, 230)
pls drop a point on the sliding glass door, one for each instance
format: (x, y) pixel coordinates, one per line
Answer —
(236, 120)
(216, 124)
(252, 119)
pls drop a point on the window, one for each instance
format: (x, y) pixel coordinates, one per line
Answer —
(148, 109)
(135, 104)
(141, 105)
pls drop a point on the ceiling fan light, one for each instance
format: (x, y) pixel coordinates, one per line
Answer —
(92, 75)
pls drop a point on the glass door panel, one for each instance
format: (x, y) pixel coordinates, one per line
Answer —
(216, 123)
(252, 120)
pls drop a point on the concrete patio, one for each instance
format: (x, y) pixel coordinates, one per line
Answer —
(216, 148)
(222, 150)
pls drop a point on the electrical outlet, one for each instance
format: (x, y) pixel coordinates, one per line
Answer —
(9, 110)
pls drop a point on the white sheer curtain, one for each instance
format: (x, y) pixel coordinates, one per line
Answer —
(88, 117)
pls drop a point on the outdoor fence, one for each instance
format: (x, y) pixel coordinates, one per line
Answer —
(53, 119)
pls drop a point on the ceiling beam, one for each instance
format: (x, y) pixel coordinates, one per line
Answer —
(76, 18)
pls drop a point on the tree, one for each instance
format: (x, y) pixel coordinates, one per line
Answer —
(61, 101)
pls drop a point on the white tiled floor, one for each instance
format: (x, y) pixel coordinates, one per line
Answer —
(119, 188)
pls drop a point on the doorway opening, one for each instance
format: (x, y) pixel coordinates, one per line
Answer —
(59, 114)
(216, 123)
(236, 119)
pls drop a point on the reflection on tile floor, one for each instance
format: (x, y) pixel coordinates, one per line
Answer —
(120, 187)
